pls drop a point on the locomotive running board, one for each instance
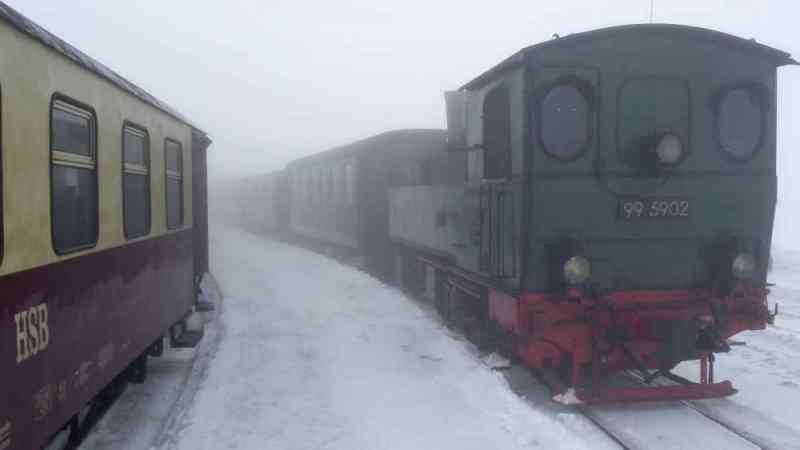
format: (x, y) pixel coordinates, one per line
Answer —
(694, 391)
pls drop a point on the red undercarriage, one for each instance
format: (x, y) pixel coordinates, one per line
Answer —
(585, 339)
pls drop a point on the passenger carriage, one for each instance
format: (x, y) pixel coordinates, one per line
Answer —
(103, 229)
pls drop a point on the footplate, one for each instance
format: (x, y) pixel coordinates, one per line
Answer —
(694, 391)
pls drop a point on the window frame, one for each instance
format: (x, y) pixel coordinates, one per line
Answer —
(587, 90)
(180, 176)
(127, 124)
(763, 94)
(74, 160)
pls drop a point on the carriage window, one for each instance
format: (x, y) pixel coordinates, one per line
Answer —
(308, 187)
(324, 183)
(341, 180)
(320, 184)
(350, 182)
(331, 183)
(496, 134)
(312, 178)
(73, 188)
(313, 175)
(71, 130)
(173, 157)
(564, 121)
(741, 116)
(135, 181)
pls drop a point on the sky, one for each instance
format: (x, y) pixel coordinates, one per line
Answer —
(272, 80)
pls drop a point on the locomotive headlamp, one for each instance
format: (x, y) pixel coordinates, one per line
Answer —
(744, 266)
(669, 149)
(577, 270)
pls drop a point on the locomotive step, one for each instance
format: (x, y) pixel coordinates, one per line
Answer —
(694, 391)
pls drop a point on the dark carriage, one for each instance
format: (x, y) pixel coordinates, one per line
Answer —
(339, 198)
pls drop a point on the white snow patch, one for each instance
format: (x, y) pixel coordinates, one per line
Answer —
(567, 398)
(496, 361)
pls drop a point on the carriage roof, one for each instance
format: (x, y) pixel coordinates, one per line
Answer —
(33, 30)
(376, 144)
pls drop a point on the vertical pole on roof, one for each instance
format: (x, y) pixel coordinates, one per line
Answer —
(651, 10)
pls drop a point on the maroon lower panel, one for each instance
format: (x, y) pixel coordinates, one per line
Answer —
(66, 329)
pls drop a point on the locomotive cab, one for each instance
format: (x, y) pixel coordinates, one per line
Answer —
(623, 182)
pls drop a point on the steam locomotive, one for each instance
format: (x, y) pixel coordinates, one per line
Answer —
(600, 203)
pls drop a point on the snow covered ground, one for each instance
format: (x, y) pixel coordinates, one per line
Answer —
(310, 354)
(317, 355)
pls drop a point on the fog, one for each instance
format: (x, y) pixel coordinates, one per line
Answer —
(274, 80)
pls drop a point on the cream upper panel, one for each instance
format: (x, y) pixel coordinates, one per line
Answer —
(29, 75)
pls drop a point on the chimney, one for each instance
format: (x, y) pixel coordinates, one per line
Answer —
(456, 119)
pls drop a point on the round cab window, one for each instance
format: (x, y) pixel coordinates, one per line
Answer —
(564, 127)
(740, 122)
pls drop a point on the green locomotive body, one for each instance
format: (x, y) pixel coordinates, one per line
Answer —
(618, 204)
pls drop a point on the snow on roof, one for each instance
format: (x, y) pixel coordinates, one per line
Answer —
(374, 143)
(27, 26)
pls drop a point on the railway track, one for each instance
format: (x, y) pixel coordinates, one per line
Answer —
(713, 424)
(665, 425)
(716, 423)
(660, 425)
(742, 421)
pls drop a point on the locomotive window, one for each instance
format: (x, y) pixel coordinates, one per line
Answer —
(740, 119)
(135, 181)
(497, 134)
(564, 121)
(73, 171)
(173, 157)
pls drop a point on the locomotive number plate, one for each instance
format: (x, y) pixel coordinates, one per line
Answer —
(633, 209)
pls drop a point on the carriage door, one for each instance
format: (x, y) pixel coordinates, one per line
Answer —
(498, 255)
